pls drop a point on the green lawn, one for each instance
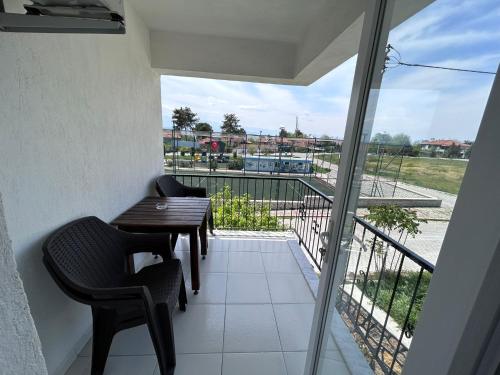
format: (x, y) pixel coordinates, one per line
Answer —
(320, 169)
(439, 174)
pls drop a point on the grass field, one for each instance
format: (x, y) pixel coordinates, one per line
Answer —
(439, 174)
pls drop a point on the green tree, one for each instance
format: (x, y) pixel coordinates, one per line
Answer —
(392, 218)
(401, 139)
(283, 133)
(231, 124)
(184, 118)
(382, 138)
(454, 151)
(203, 127)
(298, 134)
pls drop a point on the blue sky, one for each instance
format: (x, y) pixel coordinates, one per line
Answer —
(421, 102)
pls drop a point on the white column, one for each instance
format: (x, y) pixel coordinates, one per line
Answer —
(20, 348)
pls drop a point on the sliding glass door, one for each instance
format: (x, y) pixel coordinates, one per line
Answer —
(376, 272)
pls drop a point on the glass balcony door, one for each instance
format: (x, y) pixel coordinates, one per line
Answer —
(372, 286)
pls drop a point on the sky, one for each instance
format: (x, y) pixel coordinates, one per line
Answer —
(423, 103)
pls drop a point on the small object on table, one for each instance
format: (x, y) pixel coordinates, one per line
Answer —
(180, 215)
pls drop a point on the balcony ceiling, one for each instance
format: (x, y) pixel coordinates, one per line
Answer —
(277, 20)
(276, 41)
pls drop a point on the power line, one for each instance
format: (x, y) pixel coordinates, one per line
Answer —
(395, 61)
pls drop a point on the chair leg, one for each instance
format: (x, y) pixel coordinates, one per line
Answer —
(162, 334)
(182, 296)
(103, 332)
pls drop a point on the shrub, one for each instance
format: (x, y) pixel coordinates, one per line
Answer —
(241, 212)
(236, 164)
(402, 298)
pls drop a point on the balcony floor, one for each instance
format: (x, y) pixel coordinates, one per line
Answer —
(252, 315)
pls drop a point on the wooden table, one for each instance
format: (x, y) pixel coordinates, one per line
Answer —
(182, 215)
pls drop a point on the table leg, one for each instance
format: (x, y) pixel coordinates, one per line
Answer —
(203, 238)
(130, 264)
(195, 266)
(173, 240)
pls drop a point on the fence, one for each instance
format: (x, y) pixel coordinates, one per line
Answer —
(215, 152)
(381, 295)
(268, 203)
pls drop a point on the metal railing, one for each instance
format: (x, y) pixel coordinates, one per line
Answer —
(384, 283)
(267, 203)
(381, 295)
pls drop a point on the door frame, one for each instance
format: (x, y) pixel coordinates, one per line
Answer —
(374, 33)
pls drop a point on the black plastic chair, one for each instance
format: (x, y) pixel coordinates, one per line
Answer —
(88, 260)
(168, 186)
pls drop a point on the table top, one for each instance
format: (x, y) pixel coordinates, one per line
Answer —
(185, 212)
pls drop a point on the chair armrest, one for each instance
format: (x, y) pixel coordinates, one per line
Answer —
(199, 192)
(156, 243)
(123, 296)
(124, 293)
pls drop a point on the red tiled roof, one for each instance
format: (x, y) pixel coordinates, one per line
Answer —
(445, 143)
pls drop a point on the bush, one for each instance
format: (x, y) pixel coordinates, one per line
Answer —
(236, 164)
(241, 212)
(402, 298)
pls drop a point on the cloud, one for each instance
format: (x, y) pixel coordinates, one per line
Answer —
(321, 108)
(420, 102)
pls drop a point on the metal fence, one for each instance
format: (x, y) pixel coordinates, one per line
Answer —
(268, 203)
(381, 295)
(216, 151)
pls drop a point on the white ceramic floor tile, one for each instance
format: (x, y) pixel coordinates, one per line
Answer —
(289, 288)
(123, 365)
(212, 289)
(253, 363)
(194, 364)
(331, 366)
(248, 262)
(247, 288)
(280, 263)
(295, 362)
(294, 325)
(200, 329)
(250, 328)
(133, 341)
(214, 262)
(273, 246)
(244, 244)
(215, 244)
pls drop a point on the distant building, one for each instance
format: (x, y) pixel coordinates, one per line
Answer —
(275, 164)
(440, 146)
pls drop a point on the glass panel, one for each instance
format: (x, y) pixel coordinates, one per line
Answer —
(424, 109)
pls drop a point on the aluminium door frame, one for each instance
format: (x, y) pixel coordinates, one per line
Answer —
(374, 34)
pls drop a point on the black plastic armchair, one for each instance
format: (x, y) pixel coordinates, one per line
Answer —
(88, 260)
(168, 186)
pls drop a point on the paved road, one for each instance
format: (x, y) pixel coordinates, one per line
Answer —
(428, 243)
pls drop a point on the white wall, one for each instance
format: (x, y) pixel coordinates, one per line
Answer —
(20, 349)
(80, 134)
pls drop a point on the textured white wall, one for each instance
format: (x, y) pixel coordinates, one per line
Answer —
(80, 134)
(20, 349)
